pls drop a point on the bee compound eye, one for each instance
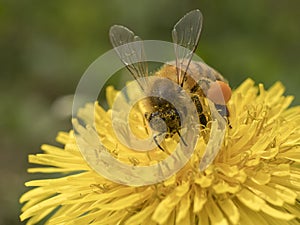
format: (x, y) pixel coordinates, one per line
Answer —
(219, 92)
(157, 123)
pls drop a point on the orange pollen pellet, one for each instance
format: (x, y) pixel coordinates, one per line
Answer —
(219, 92)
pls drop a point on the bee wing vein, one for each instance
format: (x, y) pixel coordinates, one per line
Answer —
(130, 50)
(186, 33)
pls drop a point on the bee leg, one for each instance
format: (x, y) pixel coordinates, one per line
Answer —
(156, 142)
(181, 138)
(228, 121)
(223, 110)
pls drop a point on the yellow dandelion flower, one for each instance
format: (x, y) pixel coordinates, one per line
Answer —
(255, 178)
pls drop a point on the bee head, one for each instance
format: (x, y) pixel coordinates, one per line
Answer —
(156, 121)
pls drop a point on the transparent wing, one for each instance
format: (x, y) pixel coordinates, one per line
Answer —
(186, 33)
(131, 51)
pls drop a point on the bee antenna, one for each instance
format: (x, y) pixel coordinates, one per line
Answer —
(156, 142)
(181, 138)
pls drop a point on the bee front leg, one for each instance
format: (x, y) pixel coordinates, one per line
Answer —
(156, 142)
(181, 138)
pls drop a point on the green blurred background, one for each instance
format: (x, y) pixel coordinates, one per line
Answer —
(45, 47)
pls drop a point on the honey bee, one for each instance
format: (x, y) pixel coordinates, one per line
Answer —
(209, 83)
